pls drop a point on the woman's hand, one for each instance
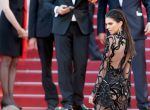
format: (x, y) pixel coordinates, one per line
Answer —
(22, 33)
(91, 97)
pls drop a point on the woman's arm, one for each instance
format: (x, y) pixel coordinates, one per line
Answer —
(11, 18)
(103, 67)
(127, 69)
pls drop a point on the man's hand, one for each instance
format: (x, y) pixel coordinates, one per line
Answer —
(63, 9)
(147, 28)
(101, 37)
(32, 43)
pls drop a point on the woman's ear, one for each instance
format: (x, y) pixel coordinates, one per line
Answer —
(120, 23)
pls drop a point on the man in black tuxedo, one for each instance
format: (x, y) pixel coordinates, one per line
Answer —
(40, 26)
(133, 11)
(94, 50)
(71, 26)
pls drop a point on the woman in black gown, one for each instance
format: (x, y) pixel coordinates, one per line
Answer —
(111, 91)
(10, 46)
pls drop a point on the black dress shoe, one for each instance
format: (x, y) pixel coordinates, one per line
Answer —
(50, 107)
(3, 104)
(81, 107)
(145, 107)
(99, 58)
(67, 107)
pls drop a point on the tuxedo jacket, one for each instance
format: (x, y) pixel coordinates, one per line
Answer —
(40, 20)
(61, 23)
(133, 12)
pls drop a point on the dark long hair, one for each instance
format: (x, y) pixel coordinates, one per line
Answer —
(118, 16)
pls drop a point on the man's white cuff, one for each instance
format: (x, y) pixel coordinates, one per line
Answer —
(55, 11)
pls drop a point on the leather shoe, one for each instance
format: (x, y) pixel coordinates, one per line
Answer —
(99, 58)
(81, 107)
(67, 107)
(145, 107)
(50, 108)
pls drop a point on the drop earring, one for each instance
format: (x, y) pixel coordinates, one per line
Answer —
(120, 31)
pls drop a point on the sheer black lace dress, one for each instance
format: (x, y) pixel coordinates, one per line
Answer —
(111, 91)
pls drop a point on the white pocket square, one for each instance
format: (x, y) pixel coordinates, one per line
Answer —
(138, 13)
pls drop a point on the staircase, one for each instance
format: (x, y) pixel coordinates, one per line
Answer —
(28, 91)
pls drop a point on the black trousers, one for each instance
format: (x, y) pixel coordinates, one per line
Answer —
(93, 47)
(45, 48)
(72, 55)
(139, 70)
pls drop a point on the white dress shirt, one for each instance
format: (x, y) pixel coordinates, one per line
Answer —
(121, 1)
(73, 17)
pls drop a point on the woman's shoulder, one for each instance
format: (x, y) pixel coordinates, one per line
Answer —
(122, 35)
(109, 39)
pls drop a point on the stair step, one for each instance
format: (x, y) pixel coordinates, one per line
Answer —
(32, 100)
(35, 76)
(34, 64)
(44, 108)
(36, 88)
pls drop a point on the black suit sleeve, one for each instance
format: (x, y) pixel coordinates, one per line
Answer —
(49, 5)
(147, 6)
(102, 7)
(33, 10)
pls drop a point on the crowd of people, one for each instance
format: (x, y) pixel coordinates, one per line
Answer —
(68, 23)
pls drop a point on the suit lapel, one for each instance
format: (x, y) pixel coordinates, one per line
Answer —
(77, 2)
(118, 2)
(68, 2)
(123, 3)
